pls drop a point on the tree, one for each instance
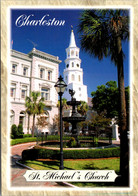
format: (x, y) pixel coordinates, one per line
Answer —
(42, 121)
(102, 33)
(64, 104)
(83, 108)
(105, 99)
(28, 111)
(99, 121)
(34, 106)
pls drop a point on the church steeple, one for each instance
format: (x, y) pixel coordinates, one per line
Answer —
(73, 73)
(72, 39)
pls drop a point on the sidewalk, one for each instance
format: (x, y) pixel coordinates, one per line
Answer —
(17, 172)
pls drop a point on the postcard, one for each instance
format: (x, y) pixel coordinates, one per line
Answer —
(69, 98)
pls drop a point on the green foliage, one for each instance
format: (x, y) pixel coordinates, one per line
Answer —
(99, 120)
(20, 131)
(39, 153)
(22, 140)
(83, 108)
(99, 30)
(72, 143)
(64, 104)
(34, 106)
(14, 131)
(27, 135)
(105, 99)
(29, 138)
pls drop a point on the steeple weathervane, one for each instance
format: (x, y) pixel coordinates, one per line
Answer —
(71, 28)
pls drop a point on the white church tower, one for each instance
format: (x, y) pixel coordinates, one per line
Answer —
(73, 73)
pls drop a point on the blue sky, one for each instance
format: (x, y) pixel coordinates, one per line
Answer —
(55, 39)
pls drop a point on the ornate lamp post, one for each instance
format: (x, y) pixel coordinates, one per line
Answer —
(60, 88)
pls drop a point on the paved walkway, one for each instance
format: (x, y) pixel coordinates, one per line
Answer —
(17, 172)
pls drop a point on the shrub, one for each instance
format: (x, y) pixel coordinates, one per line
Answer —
(20, 131)
(14, 131)
(23, 140)
(41, 153)
(72, 143)
(27, 135)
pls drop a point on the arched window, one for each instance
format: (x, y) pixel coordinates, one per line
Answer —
(72, 53)
(76, 53)
(79, 78)
(77, 65)
(12, 116)
(72, 64)
(22, 118)
(73, 77)
(66, 78)
(68, 54)
(67, 65)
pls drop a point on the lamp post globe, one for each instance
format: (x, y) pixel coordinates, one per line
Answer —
(60, 88)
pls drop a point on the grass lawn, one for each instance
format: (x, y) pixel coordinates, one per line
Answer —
(92, 164)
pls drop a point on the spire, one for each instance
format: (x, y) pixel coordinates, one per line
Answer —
(72, 38)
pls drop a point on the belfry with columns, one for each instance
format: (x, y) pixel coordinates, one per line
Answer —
(73, 73)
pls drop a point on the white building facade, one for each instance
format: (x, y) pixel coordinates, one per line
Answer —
(35, 71)
(73, 73)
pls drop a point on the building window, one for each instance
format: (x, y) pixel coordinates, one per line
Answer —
(79, 88)
(25, 71)
(68, 54)
(73, 77)
(22, 118)
(45, 93)
(46, 114)
(14, 68)
(79, 78)
(72, 64)
(49, 75)
(77, 65)
(13, 90)
(42, 73)
(67, 65)
(66, 78)
(72, 53)
(76, 53)
(24, 92)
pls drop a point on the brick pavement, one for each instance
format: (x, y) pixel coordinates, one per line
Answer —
(17, 172)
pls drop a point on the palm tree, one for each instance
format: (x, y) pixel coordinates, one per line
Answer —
(64, 107)
(64, 104)
(83, 108)
(34, 106)
(101, 34)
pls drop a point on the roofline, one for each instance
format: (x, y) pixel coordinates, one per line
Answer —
(44, 55)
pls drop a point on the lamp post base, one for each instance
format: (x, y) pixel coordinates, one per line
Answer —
(61, 168)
